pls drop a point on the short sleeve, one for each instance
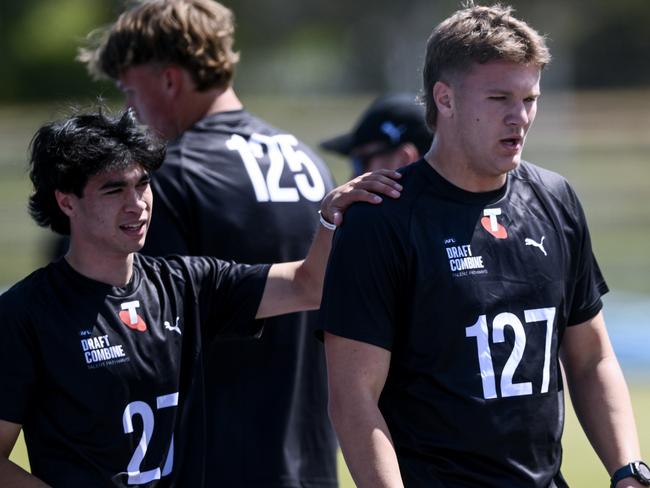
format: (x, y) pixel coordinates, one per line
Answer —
(229, 295)
(18, 360)
(589, 285)
(365, 278)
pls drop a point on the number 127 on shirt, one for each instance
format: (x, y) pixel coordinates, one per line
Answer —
(480, 331)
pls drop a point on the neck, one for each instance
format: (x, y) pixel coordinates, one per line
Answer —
(454, 166)
(112, 270)
(224, 101)
(196, 105)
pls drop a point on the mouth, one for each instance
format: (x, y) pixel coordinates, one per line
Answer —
(136, 229)
(512, 144)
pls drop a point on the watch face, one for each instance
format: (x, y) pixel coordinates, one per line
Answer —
(644, 471)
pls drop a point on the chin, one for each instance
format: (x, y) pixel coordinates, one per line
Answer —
(512, 163)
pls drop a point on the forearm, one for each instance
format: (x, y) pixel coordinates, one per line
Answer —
(297, 285)
(366, 444)
(310, 274)
(602, 403)
(13, 476)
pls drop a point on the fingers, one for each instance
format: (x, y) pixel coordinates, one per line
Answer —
(379, 185)
(369, 187)
(385, 172)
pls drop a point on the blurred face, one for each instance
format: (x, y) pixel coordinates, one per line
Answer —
(376, 155)
(494, 106)
(112, 217)
(147, 92)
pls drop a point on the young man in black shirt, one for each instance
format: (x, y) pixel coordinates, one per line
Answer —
(444, 342)
(234, 187)
(102, 355)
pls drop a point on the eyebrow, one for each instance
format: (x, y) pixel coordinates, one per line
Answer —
(502, 91)
(115, 184)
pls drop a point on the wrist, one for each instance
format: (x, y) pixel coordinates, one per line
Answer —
(325, 222)
(636, 470)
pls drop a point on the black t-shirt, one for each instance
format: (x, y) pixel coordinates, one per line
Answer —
(107, 382)
(471, 293)
(236, 188)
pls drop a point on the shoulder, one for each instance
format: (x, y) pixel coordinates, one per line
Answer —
(397, 210)
(550, 180)
(555, 194)
(179, 267)
(389, 222)
(172, 264)
(23, 296)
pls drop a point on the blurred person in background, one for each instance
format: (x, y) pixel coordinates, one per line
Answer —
(444, 341)
(391, 133)
(234, 187)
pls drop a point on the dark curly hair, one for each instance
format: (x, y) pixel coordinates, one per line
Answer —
(65, 153)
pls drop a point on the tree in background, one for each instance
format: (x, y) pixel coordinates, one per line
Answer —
(326, 46)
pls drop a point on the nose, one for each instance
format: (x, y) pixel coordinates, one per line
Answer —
(519, 115)
(135, 201)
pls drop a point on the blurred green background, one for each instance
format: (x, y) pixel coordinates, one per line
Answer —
(310, 67)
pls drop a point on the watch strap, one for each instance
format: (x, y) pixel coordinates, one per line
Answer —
(631, 470)
(626, 471)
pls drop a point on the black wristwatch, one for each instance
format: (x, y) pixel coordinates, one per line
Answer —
(636, 469)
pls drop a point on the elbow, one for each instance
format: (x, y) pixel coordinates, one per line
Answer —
(336, 410)
(311, 291)
(314, 299)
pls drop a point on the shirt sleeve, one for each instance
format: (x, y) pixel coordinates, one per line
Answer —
(229, 296)
(18, 360)
(365, 279)
(589, 285)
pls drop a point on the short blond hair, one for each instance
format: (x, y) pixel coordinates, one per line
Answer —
(477, 34)
(194, 34)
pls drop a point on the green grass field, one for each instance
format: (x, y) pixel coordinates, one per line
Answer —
(599, 140)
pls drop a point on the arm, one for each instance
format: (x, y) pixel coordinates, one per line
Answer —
(356, 375)
(600, 396)
(298, 285)
(12, 475)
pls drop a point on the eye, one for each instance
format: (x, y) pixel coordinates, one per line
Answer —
(497, 97)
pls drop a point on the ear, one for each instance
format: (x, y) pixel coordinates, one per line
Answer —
(443, 97)
(410, 152)
(405, 154)
(173, 80)
(66, 202)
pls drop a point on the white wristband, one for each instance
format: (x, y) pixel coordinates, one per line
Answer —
(325, 223)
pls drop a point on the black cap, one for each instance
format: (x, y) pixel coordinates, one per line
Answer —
(394, 119)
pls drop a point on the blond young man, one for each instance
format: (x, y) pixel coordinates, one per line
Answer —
(234, 187)
(444, 344)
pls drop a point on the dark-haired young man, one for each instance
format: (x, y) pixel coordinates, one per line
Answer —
(233, 187)
(444, 343)
(102, 354)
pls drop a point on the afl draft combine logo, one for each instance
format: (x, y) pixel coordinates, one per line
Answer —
(130, 318)
(490, 223)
